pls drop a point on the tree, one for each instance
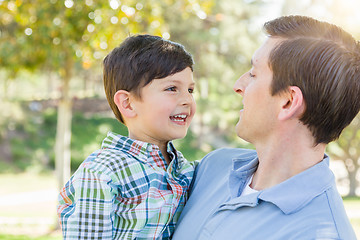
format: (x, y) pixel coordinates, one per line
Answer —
(67, 36)
(346, 148)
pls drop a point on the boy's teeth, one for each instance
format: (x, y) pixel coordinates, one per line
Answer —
(180, 117)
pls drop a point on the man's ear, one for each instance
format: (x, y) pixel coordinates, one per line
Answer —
(293, 104)
(122, 101)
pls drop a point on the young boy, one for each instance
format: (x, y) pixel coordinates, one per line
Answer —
(135, 187)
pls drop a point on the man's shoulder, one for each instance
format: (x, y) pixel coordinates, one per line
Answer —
(221, 161)
(228, 155)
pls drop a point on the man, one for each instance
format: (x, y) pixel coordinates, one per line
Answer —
(302, 90)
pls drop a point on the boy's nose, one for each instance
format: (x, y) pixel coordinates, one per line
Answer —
(187, 98)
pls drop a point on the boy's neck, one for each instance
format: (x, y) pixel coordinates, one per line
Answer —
(162, 145)
(163, 150)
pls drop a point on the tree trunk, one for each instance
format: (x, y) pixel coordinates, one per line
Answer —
(352, 182)
(63, 129)
(63, 139)
(5, 147)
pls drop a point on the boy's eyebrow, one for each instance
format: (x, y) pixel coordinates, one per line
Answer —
(177, 80)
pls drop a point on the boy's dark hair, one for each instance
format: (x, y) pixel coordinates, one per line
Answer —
(324, 62)
(139, 60)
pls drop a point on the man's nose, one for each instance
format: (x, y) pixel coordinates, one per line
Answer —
(240, 84)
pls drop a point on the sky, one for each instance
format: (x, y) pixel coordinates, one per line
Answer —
(343, 13)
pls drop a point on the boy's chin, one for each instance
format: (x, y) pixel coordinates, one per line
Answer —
(180, 136)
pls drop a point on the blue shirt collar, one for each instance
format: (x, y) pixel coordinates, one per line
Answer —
(243, 168)
(291, 195)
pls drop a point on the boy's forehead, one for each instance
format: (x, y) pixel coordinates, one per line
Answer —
(182, 76)
(174, 80)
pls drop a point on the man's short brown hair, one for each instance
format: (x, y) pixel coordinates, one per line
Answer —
(324, 62)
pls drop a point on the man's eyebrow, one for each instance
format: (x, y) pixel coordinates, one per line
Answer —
(252, 62)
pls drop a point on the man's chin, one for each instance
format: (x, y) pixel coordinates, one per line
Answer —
(241, 133)
(238, 129)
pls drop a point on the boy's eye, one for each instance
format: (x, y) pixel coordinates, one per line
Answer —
(172, 89)
(191, 90)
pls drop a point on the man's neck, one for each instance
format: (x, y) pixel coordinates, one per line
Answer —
(283, 158)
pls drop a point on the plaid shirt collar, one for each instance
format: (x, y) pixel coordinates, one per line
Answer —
(139, 149)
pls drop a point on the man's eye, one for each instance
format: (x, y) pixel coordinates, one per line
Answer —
(251, 75)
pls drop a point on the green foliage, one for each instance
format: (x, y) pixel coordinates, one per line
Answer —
(33, 139)
(51, 34)
(52, 37)
(88, 133)
(189, 147)
(222, 45)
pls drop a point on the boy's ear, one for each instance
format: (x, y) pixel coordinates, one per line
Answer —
(122, 101)
(293, 104)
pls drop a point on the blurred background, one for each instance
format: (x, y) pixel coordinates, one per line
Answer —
(53, 108)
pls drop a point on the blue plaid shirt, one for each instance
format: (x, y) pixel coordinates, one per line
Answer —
(125, 190)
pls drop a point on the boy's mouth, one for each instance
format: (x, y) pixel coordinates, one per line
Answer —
(178, 118)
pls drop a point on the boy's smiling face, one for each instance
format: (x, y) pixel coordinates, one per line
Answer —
(165, 109)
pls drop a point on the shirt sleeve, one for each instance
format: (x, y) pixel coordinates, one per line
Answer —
(195, 163)
(85, 209)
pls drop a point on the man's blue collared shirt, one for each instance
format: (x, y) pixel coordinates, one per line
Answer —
(306, 206)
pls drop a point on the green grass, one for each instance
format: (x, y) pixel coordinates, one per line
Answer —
(33, 147)
(24, 237)
(352, 201)
(33, 217)
(353, 205)
(356, 225)
(25, 182)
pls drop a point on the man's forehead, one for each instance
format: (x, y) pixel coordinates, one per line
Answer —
(263, 52)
